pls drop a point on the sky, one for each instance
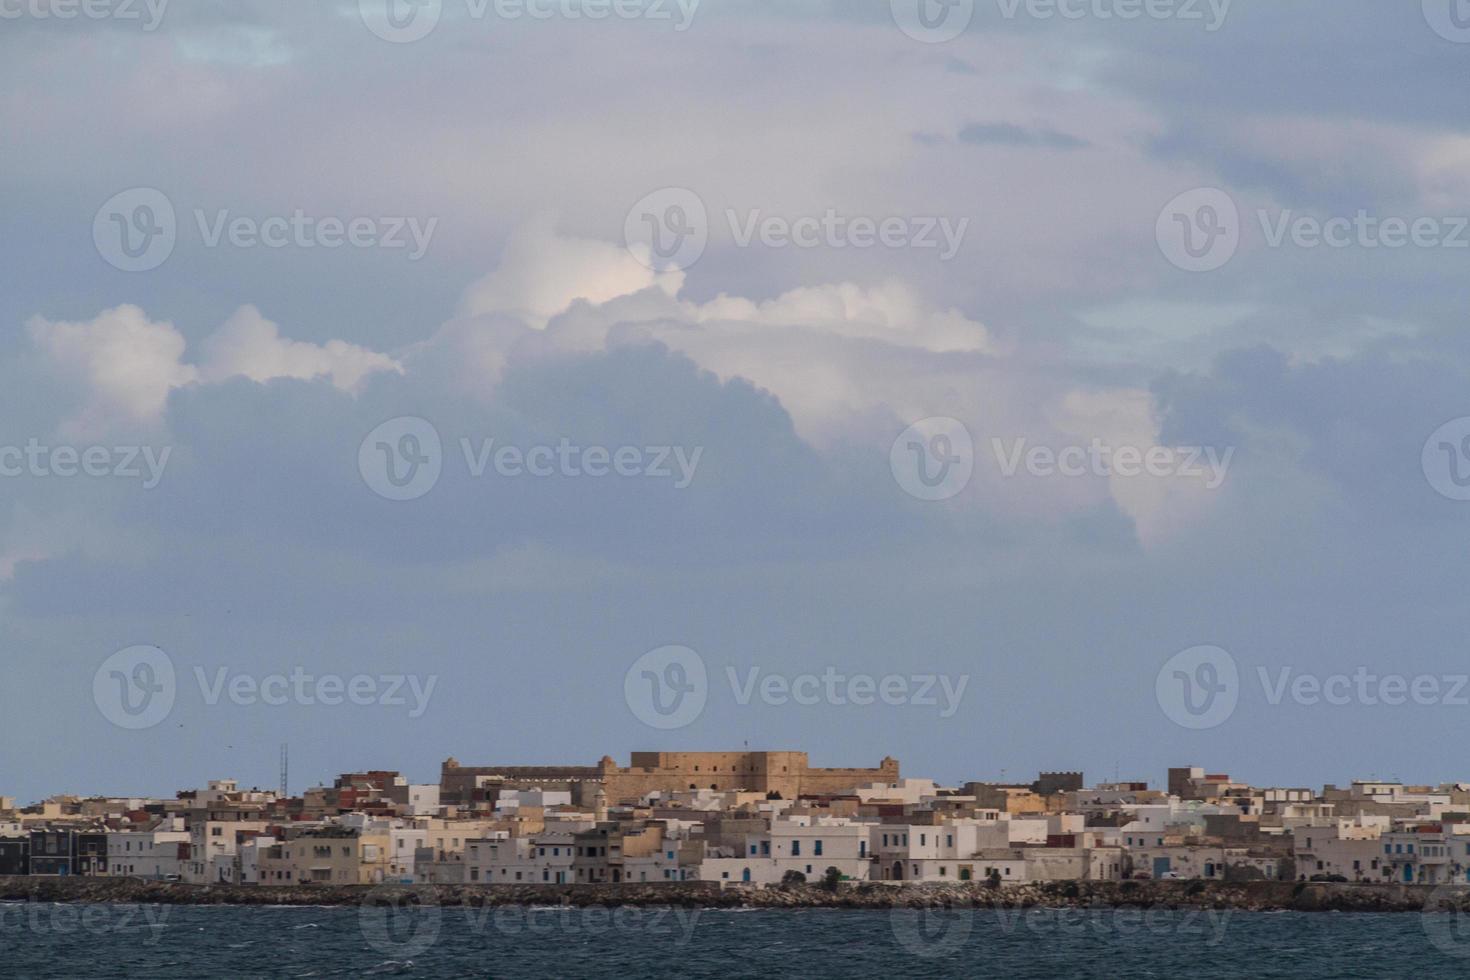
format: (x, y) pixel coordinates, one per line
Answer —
(1002, 386)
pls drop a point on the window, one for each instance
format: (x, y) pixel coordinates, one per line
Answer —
(796, 848)
(817, 848)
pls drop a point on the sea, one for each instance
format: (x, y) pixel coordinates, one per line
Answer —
(76, 941)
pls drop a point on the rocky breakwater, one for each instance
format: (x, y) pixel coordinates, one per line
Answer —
(1255, 896)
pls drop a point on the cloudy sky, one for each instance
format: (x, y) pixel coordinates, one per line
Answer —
(245, 245)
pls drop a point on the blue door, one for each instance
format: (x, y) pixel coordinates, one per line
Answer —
(1161, 867)
(745, 875)
(1409, 874)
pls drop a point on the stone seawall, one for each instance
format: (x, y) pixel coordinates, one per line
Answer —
(1257, 896)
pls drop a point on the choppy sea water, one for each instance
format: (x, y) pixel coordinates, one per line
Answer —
(45, 940)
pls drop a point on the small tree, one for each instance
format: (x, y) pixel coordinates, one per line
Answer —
(994, 879)
(1243, 872)
(831, 878)
(793, 878)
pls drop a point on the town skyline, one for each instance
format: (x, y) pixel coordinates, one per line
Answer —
(747, 818)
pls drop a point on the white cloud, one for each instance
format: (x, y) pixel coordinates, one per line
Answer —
(249, 345)
(848, 362)
(541, 274)
(126, 363)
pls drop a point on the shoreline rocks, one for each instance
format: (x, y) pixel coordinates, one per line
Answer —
(1254, 896)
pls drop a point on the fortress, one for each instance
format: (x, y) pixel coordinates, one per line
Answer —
(786, 773)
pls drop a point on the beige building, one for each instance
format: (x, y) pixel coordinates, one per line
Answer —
(789, 774)
(327, 857)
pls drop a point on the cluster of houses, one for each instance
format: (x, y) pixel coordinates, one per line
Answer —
(745, 818)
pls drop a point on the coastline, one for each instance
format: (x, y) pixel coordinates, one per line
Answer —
(1254, 896)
